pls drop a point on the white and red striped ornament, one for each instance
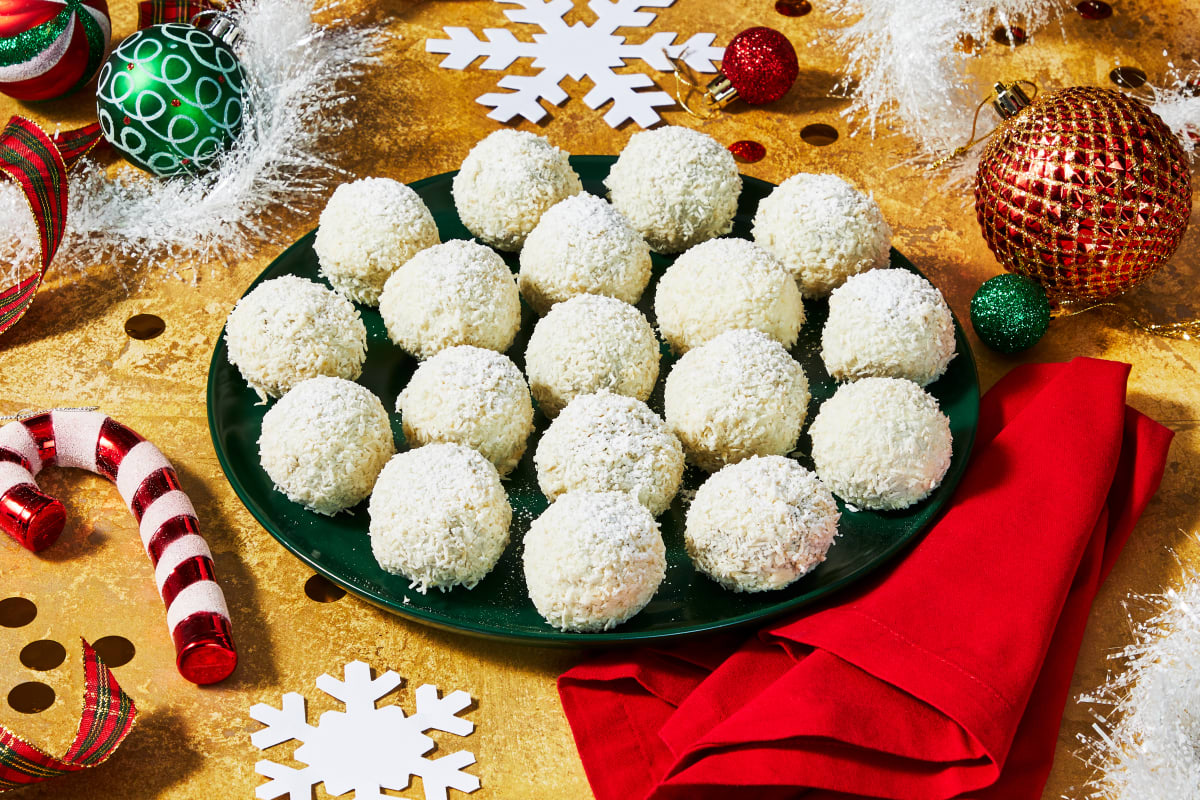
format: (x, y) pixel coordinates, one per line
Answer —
(183, 568)
(49, 48)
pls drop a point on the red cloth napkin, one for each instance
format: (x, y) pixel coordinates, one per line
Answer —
(944, 677)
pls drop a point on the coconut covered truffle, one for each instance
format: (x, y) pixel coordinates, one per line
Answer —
(678, 187)
(507, 182)
(888, 323)
(289, 329)
(324, 443)
(606, 442)
(823, 229)
(455, 293)
(881, 443)
(368, 229)
(583, 246)
(439, 517)
(737, 396)
(587, 344)
(760, 524)
(724, 285)
(593, 560)
(470, 396)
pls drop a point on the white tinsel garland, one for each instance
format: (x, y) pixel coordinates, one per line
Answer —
(1146, 745)
(1179, 105)
(300, 74)
(910, 68)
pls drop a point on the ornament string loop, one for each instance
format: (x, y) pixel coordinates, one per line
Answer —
(689, 86)
(1004, 107)
(1186, 330)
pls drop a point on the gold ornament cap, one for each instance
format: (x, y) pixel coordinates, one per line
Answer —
(1009, 100)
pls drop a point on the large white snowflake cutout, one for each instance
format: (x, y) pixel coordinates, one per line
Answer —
(577, 51)
(364, 748)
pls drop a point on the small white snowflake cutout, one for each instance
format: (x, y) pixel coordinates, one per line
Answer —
(577, 51)
(364, 748)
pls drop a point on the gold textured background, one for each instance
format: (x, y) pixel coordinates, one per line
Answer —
(416, 120)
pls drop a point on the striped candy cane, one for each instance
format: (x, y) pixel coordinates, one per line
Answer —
(183, 568)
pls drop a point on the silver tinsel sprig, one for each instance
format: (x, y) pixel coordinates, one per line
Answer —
(1145, 743)
(301, 79)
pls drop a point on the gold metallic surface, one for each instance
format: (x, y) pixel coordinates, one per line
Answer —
(416, 120)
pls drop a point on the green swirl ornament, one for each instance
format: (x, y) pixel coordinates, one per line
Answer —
(170, 99)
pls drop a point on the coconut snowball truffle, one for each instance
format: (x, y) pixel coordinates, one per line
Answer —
(593, 560)
(588, 344)
(289, 329)
(888, 323)
(677, 186)
(439, 517)
(723, 285)
(606, 442)
(368, 229)
(737, 396)
(507, 182)
(583, 246)
(881, 443)
(473, 397)
(823, 229)
(324, 443)
(760, 524)
(455, 293)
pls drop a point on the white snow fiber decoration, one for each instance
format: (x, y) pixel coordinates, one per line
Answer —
(301, 75)
(909, 71)
(1146, 744)
(364, 748)
(593, 51)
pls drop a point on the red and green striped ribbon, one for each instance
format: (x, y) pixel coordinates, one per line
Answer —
(108, 715)
(38, 163)
(156, 12)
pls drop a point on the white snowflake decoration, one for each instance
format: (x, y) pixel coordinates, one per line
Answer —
(364, 748)
(577, 51)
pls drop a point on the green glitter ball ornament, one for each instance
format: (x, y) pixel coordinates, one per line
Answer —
(170, 98)
(1010, 313)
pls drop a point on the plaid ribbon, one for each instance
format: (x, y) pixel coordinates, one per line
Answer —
(108, 715)
(156, 12)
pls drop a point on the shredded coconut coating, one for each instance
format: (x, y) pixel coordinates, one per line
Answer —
(888, 323)
(881, 443)
(724, 285)
(679, 187)
(593, 560)
(507, 182)
(459, 292)
(439, 517)
(471, 396)
(760, 524)
(369, 228)
(289, 329)
(324, 443)
(824, 230)
(737, 396)
(587, 344)
(607, 442)
(583, 246)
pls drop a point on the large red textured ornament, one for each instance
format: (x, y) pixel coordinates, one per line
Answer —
(49, 48)
(1085, 190)
(759, 66)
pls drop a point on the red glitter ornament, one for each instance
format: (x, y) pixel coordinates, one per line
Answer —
(1085, 190)
(759, 66)
(748, 151)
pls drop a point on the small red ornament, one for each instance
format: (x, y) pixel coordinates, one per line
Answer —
(51, 47)
(759, 66)
(1085, 190)
(748, 151)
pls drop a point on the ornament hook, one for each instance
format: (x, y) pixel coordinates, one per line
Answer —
(1007, 102)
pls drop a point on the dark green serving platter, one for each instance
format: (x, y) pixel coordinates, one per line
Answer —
(687, 602)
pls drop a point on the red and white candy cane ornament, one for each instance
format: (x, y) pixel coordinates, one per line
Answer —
(183, 568)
